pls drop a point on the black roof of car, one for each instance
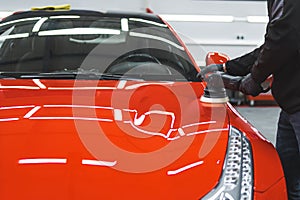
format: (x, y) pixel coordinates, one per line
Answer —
(45, 13)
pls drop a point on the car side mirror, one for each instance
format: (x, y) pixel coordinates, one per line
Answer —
(215, 58)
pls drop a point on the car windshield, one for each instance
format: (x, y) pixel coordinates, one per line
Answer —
(65, 45)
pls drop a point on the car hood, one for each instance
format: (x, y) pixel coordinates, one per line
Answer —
(66, 139)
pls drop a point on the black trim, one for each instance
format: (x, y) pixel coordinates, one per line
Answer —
(43, 13)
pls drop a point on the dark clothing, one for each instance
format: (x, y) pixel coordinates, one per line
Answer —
(288, 145)
(279, 55)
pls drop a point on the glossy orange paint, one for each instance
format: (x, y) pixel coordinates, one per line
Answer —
(57, 123)
(276, 191)
(215, 58)
(268, 173)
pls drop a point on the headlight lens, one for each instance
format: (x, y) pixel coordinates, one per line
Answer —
(236, 181)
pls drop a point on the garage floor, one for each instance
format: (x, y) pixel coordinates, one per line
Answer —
(263, 118)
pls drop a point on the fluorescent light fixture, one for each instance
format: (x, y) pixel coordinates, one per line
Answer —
(257, 19)
(43, 161)
(65, 17)
(147, 22)
(99, 163)
(174, 172)
(72, 118)
(14, 36)
(38, 83)
(81, 88)
(198, 18)
(19, 87)
(31, 112)
(148, 36)
(78, 106)
(138, 85)
(21, 20)
(9, 119)
(38, 25)
(198, 124)
(214, 18)
(16, 107)
(79, 31)
(124, 24)
(118, 115)
(121, 84)
(207, 131)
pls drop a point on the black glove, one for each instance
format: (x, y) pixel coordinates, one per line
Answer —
(210, 69)
(249, 87)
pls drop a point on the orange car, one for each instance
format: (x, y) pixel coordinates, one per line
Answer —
(107, 105)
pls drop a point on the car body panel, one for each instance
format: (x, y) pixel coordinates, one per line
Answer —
(44, 124)
(262, 149)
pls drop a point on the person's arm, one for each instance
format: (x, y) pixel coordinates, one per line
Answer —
(281, 42)
(241, 66)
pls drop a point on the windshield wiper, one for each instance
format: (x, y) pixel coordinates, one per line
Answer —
(84, 75)
(9, 75)
(48, 76)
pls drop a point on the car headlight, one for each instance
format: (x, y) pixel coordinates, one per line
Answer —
(236, 181)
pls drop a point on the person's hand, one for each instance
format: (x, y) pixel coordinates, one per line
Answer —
(249, 87)
(210, 69)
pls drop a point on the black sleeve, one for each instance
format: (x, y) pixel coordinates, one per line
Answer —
(242, 65)
(281, 42)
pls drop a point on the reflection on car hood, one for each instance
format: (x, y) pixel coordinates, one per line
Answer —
(109, 139)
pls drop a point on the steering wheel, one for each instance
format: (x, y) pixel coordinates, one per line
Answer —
(137, 57)
(127, 62)
(138, 63)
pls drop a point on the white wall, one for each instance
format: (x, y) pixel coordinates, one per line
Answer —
(135, 5)
(234, 38)
(199, 35)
